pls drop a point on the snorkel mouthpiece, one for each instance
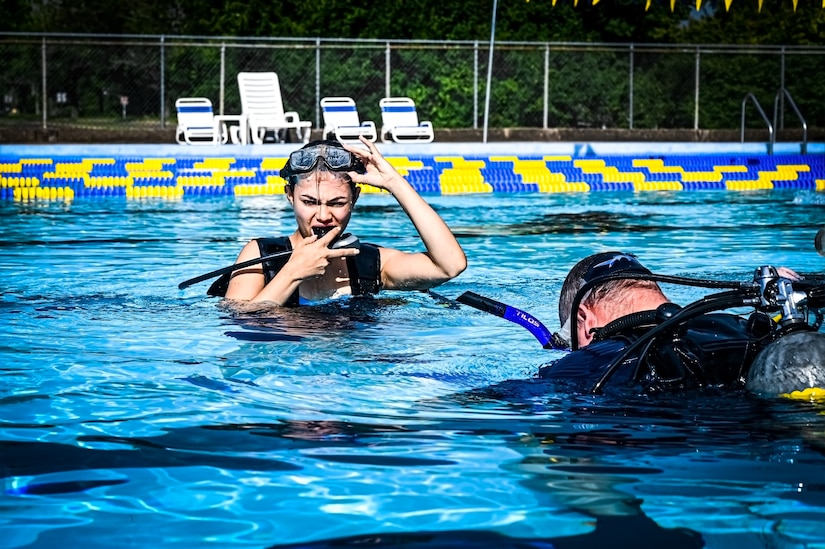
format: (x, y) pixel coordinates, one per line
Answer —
(346, 240)
(321, 232)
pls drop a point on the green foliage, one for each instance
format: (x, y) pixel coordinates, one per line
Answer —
(587, 86)
(517, 20)
(16, 15)
(776, 24)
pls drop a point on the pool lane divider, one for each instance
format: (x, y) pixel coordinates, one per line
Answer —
(69, 178)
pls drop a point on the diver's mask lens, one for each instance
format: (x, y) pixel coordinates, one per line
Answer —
(307, 159)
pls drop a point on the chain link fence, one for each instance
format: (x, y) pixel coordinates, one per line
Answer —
(94, 81)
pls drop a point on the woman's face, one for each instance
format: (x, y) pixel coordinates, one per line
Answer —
(322, 199)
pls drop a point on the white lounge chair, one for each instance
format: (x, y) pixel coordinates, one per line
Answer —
(342, 122)
(263, 107)
(400, 122)
(196, 122)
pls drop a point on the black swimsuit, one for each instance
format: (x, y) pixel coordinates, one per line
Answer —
(364, 268)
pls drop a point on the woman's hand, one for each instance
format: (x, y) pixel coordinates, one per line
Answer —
(380, 173)
(312, 255)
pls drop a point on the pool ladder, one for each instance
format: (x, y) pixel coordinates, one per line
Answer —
(772, 126)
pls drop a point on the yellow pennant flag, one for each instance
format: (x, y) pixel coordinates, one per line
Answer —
(673, 4)
(698, 5)
(595, 2)
(575, 3)
(794, 4)
(647, 4)
(729, 2)
(760, 6)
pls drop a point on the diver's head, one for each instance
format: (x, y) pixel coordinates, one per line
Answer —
(602, 295)
(319, 188)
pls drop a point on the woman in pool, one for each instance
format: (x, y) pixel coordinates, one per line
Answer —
(321, 187)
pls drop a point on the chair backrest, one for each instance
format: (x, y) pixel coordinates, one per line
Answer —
(339, 111)
(261, 95)
(194, 112)
(398, 111)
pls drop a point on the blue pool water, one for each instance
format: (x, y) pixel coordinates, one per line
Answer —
(134, 414)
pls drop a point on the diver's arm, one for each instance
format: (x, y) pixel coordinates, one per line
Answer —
(444, 258)
(248, 284)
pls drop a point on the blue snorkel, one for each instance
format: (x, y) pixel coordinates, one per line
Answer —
(547, 339)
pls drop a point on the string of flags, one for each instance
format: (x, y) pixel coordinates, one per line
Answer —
(698, 4)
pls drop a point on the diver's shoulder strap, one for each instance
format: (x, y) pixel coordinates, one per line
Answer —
(714, 349)
(272, 267)
(266, 246)
(365, 270)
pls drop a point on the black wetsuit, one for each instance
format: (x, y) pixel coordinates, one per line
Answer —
(364, 269)
(710, 350)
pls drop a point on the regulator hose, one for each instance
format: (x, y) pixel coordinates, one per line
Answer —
(716, 302)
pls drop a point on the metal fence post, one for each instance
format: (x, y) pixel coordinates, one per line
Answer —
(317, 82)
(44, 92)
(489, 72)
(782, 87)
(387, 76)
(630, 98)
(222, 84)
(162, 82)
(696, 93)
(475, 85)
(546, 83)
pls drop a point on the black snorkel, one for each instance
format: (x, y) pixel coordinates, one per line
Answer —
(345, 240)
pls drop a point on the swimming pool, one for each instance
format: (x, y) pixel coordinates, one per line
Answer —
(135, 414)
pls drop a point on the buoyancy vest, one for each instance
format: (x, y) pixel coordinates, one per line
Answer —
(364, 268)
(710, 350)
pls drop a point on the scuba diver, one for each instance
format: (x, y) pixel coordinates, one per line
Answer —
(621, 328)
(318, 261)
(620, 325)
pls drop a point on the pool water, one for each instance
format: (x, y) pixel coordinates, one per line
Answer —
(134, 414)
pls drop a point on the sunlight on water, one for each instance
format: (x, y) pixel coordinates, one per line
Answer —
(134, 413)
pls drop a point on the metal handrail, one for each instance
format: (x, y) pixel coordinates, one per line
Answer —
(772, 136)
(798, 114)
